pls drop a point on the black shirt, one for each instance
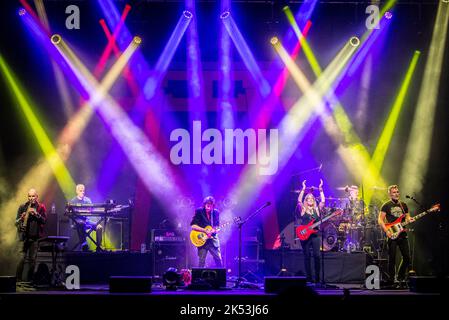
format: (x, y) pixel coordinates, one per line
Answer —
(200, 218)
(34, 228)
(394, 210)
(306, 218)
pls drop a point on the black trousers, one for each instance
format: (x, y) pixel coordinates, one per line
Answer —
(214, 251)
(314, 243)
(402, 243)
(25, 269)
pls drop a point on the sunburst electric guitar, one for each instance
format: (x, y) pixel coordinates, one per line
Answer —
(396, 227)
(199, 238)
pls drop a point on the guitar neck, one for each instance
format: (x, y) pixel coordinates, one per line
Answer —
(322, 220)
(418, 216)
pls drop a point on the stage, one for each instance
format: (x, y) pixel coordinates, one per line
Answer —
(246, 302)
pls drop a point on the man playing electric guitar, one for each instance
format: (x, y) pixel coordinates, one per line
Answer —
(204, 217)
(390, 211)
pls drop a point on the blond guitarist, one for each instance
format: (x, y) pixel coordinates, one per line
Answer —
(204, 217)
(390, 211)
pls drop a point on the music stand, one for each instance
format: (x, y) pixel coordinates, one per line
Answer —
(240, 224)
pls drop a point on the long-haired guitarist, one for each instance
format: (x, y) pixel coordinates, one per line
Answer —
(206, 217)
(309, 210)
(391, 211)
(31, 217)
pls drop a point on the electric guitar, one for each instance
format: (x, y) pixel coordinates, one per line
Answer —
(199, 238)
(396, 227)
(305, 231)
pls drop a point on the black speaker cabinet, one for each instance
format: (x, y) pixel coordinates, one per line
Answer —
(281, 284)
(215, 277)
(169, 255)
(426, 284)
(130, 284)
(7, 284)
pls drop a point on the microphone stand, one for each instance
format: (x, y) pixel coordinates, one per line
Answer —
(323, 282)
(412, 269)
(240, 223)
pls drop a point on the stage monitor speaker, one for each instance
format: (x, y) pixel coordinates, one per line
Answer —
(215, 277)
(427, 284)
(281, 284)
(130, 284)
(7, 284)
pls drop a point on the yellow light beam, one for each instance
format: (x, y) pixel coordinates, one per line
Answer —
(384, 140)
(417, 154)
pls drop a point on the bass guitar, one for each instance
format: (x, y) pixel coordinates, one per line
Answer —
(305, 231)
(199, 238)
(396, 227)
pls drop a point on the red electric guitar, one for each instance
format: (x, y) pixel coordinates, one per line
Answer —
(305, 231)
(396, 227)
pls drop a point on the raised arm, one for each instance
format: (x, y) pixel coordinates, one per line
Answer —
(301, 193)
(322, 197)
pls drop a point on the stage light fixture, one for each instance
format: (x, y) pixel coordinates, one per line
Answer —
(56, 39)
(171, 279)
(137, 40)
(225, 15)
(445, 1)
(274, 40)
(355, 42)
(22, 12)
(187, 14)
(388, 15)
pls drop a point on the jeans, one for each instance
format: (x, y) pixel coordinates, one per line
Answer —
(313, 243)
(214, 251)
(402, 243)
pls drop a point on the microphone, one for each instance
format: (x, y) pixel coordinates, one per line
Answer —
(409, 197)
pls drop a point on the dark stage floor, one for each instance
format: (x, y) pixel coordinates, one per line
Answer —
(226, 303)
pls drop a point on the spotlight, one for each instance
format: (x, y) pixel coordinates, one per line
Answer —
(187, 14)
(171, 279)
(389, 15)
(354, 41)
(56, 39)
(445, 1)
(137, 40)
(274, 40)
(22, 12)
(225, 14)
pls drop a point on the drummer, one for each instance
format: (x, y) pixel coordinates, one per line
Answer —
(355, 206)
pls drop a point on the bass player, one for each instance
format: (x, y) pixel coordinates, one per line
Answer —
(390, 211)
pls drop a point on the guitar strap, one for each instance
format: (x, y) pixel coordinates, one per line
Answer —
(402, 208)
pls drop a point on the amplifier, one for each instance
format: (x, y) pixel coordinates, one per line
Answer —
(165, 235)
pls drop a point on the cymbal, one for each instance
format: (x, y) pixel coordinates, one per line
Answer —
(336, 199)
(342, 188)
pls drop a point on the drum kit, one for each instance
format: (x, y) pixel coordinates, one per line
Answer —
(354, 230)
